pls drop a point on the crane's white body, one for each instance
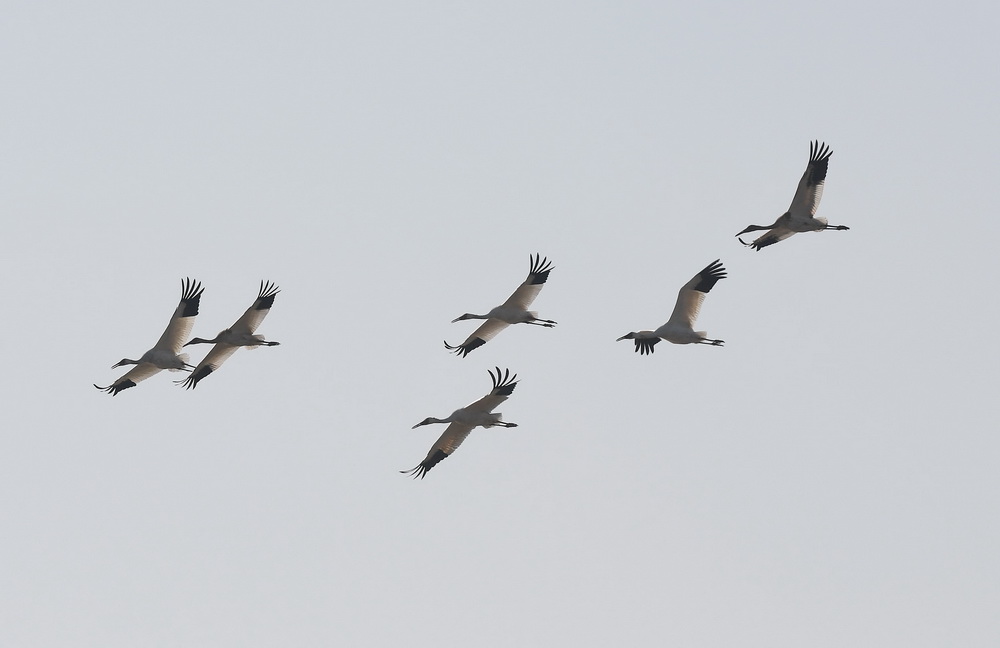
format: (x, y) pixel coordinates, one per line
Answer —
(165, 354)
(465, 419)
(679, 329)
(513, 311)
(801, 215)
(240, 334)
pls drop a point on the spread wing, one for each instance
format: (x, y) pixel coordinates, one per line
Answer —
(446, 444)
(503, 385)
(810, 189)
(527, 291)
(772, 236)
(486, 332)
(692, 294)
(254, 315)
(219, 354)
(182, 321)
(136, 375)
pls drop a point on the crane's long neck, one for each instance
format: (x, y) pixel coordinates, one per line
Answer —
(202, 341)
(757, 228)
(469, 316)
(123, 362)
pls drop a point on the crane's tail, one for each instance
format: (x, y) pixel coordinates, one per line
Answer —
(183, 357)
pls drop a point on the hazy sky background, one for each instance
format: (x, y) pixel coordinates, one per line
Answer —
(828, 478)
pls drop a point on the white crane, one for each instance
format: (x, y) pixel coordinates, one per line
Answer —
(165, 354)
(801, 214)
(478, 414)
(513, 311)
(240, 334)
(679, 328)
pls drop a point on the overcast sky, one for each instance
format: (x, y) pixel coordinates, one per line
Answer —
(827, 478)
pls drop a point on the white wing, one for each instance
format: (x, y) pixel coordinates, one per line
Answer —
(182, 321)
(527, 291)
(810, 189)
(136, 375)
(219, 354)
(692, 294)
(446, 444)
(254, 315)
(486, 332)
(772, 236)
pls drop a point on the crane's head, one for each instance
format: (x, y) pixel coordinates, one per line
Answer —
(123, 362)
(426, 421)
(198, 341)
(465, 317)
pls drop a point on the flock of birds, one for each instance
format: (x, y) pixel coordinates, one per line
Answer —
(166, 353)
(679, 328)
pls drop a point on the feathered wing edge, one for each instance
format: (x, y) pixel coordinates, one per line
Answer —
(692, 294)
(182, 321)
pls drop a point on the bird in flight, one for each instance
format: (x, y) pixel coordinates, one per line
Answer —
(463, 420)
(679, 328)
(513, 311)
(801, 214)
(240, 334)
(165, 354)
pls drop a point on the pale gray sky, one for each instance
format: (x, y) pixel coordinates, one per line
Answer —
(828, 478)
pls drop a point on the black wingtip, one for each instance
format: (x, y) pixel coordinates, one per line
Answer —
(463, 350)
(195, 377)
(191, 291)
(266, 295)
(540, 269)
(819, 151)
(503, 382)
(114, 388)
(710, 276)
(416, 471)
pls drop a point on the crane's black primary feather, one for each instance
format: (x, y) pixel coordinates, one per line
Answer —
(540, 269)
(266, 296)
(190, 297)
(504, 386)
(421, 469)
(463, 350)
(710, 276)
(114, 388)
(644, 346)
(192, 380)
(819, 162)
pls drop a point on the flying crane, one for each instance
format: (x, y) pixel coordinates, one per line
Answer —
(165, 354)
(801, 214)
(463, 420)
